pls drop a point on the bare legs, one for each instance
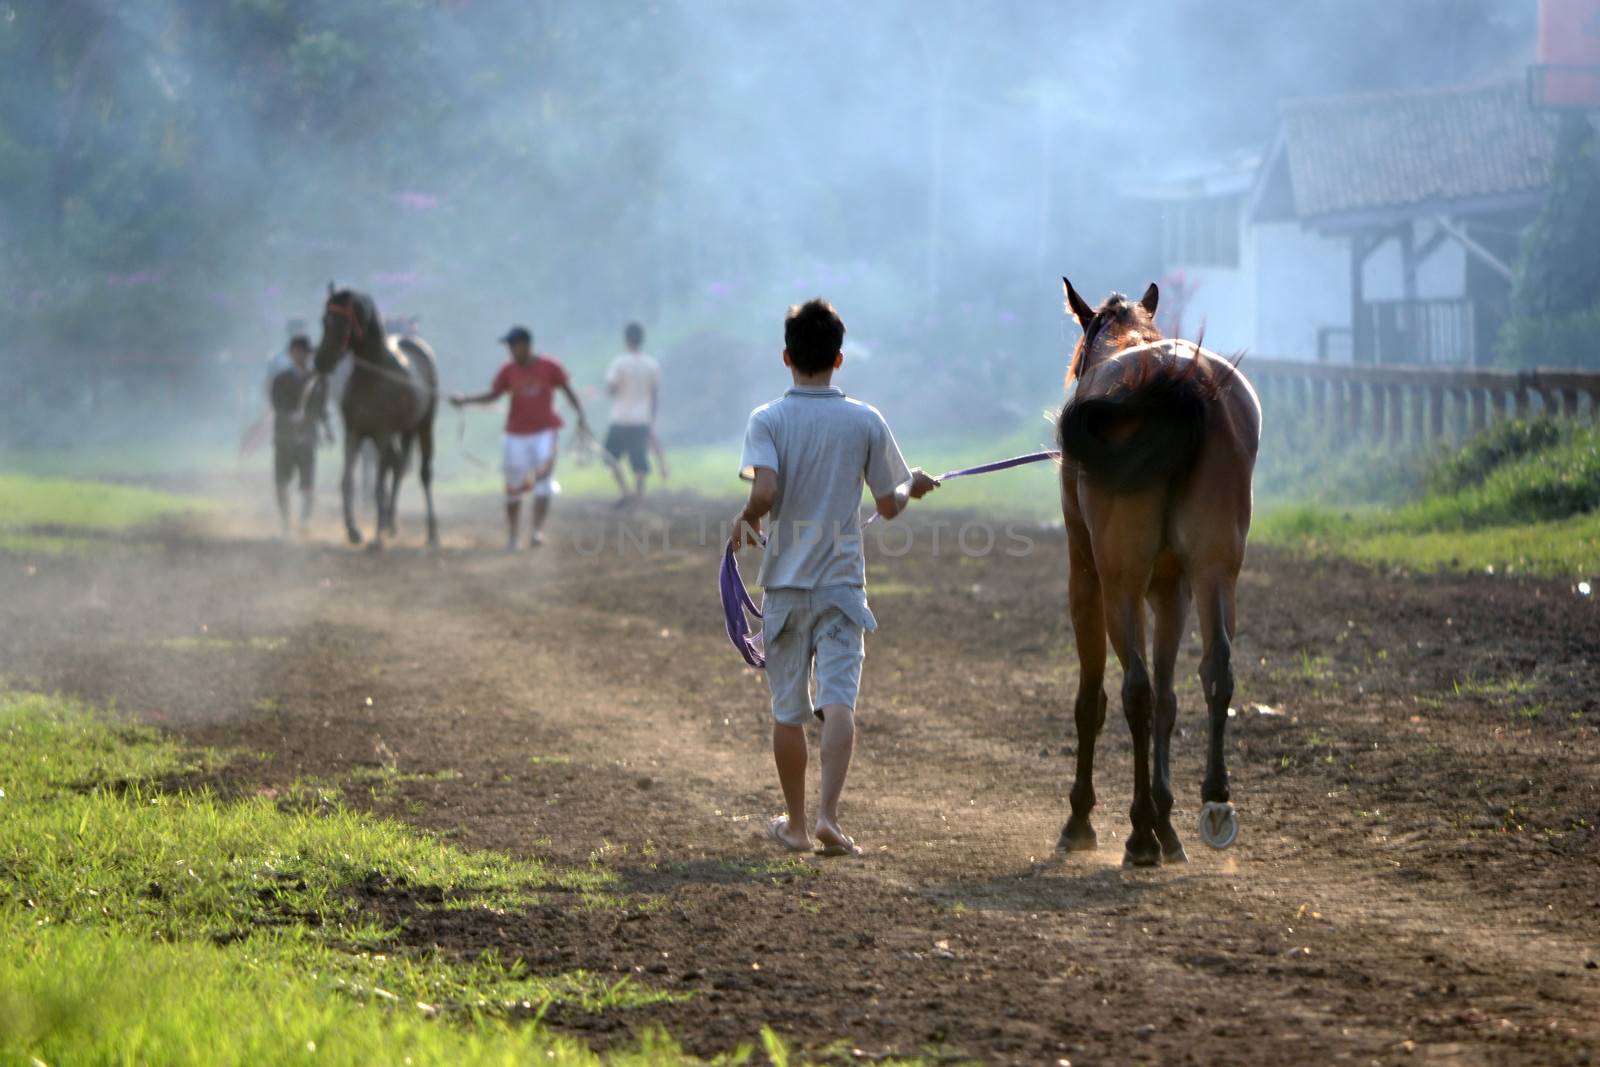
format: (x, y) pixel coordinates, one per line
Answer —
(306, 498)
(790, 755)
(513, 520)
(838, 745)
(541, 511)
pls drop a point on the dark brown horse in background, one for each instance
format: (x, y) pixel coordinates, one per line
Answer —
(1158, 446)
(390, 400)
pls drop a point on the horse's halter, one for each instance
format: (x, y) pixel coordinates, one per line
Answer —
(347, 310)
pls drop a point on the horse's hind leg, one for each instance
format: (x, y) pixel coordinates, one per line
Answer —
(1169, 598)
(352, 452)
(402, 460)
(1127, 539)
(1125, 626)
(387, 455)
(1089, 709)
(425, 474)
(1214, 598)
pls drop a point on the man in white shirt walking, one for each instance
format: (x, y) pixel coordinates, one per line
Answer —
(634, 382)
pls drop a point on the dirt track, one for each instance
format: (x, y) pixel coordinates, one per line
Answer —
(1418, 876)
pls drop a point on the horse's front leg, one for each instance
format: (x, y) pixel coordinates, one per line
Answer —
(352, 452)
(1089, 709)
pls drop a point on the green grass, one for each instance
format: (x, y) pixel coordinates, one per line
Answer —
(1520, 498)
(140, 925)
(134, 462)
(28, 502)
(1566, 547)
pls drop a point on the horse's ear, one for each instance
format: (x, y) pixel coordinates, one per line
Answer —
(1149, 299)
(330, 288)
(1077, 307)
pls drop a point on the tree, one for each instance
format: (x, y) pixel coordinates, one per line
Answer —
(1555, 295)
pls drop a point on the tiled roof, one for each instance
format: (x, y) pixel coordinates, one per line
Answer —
(1385, 150)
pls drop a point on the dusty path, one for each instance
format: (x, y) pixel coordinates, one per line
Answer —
(1418, 875)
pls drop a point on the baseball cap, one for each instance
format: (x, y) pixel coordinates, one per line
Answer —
(515, 334)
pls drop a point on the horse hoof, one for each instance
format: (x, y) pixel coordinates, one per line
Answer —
(1147, 854)
(1078, 837)
(1171, 848)
(353, 535)
(1219, 825)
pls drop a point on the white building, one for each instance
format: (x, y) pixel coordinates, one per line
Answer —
(1375, 228)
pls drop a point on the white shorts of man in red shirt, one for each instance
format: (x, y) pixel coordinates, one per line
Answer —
(529, 457)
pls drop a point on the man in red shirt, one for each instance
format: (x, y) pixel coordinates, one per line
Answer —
(531, 425)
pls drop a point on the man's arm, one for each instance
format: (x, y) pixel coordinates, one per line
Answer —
(462, 399)
(577, 406)
(919, 485)
(763, 494)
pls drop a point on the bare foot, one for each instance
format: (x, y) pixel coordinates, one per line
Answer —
(779, 831)
(832, 841)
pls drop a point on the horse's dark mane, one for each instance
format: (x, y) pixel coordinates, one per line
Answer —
(1116, 308)
(365, 308)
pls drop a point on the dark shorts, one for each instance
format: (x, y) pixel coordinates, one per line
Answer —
(632, 442)
(291, 458)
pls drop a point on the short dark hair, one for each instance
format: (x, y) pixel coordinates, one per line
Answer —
(813, 333)
(300, 340)
(633, 333)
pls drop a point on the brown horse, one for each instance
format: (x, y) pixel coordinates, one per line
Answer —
(1158, 446)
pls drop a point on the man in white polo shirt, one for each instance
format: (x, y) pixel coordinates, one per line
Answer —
(634, 382)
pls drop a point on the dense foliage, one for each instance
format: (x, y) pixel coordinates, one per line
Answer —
(182, 175)
(1483, 453)
(1555, 299)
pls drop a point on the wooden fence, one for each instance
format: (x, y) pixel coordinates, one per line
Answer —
(1416, 404)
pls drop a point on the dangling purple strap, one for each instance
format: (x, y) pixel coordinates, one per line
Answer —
(735, 602)
(736, 599)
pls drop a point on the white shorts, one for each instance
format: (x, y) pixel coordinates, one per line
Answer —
(524, 457)
(817, 633)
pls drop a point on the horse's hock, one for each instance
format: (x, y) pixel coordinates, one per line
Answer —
(1419, 405)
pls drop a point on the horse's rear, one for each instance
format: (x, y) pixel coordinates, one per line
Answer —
(1159, 446)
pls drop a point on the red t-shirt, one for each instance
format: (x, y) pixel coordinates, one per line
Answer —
(533, 393)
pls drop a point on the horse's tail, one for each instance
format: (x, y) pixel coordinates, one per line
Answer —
(1170, 404)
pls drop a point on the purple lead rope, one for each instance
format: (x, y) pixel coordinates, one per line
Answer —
(736, 599)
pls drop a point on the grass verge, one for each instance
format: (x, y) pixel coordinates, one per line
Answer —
(55, 515)
(1520, 498)
(144, 926)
